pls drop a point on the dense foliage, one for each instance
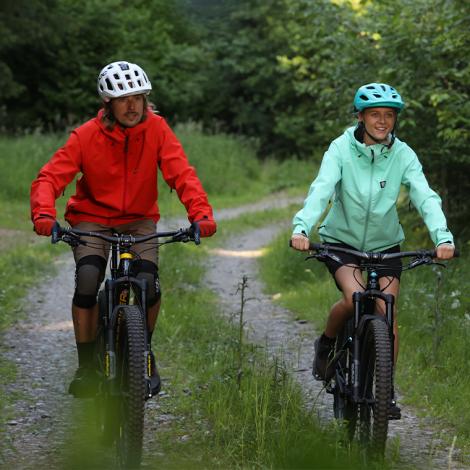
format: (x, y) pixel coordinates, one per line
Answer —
(282, 71)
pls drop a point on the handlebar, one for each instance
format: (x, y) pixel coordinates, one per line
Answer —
(373, 255)
(370, 257)
(72, 236)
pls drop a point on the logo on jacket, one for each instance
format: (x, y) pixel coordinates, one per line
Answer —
(382, 184)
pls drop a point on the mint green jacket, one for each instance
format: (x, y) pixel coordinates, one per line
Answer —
(365, 182)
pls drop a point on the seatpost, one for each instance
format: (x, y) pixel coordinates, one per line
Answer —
(357, 296)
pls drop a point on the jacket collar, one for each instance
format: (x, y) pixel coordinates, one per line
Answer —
(119, 133)
(361, 149)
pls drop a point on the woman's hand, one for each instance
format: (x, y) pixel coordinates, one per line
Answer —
(445, 251)
(300, 242)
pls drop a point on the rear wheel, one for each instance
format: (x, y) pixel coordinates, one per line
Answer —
(344, 409)
(130, 360)
(105, 402)
(376, 384)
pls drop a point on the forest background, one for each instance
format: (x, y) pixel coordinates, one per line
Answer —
(282, 72)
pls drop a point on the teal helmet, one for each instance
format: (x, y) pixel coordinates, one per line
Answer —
(374, 95)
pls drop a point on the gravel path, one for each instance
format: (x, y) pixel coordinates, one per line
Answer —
(43, 348)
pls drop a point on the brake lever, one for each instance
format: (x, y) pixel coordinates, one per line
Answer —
(323, 255)
(72, 239)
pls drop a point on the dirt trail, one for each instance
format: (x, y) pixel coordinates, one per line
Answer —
(43, 348)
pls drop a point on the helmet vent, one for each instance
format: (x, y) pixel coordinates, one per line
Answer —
(377, 95)
(370, 87)
(364, 97)
(116, 76)
(108, 84)
(383, 88)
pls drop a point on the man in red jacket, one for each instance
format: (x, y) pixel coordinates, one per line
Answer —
(117, 154)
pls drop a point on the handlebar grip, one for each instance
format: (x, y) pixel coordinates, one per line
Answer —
(56, 232)
(194, 233)
(197, 235)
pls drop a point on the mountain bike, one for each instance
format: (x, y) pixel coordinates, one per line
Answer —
(123, 353)
(362, 385)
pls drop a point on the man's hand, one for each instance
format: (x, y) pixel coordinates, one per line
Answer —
(207, 227)
(300, 242)
(43, 225)
(445, 251)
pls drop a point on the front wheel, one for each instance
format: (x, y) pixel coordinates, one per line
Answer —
(376, 385)
(131, 377)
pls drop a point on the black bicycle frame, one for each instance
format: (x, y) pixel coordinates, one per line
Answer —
(118, 292)
(362, 316)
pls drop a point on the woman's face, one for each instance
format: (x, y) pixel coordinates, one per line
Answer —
(128, 110)
(379, 123)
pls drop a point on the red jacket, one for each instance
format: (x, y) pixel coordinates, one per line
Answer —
(119, 174)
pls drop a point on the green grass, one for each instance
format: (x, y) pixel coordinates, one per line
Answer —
(434, 325)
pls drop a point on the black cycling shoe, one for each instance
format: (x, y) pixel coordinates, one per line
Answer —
(323, 368)
(155, 382)
(84, 383)
(394, 411)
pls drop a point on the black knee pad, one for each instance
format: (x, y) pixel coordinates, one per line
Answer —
(89, 274)
(144, 269)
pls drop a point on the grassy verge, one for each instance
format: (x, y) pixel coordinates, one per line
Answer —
(434, 325)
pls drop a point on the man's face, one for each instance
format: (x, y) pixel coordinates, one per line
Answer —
(128, 110)
(379, 122)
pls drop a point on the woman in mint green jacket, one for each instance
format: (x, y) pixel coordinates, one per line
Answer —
(362, 172)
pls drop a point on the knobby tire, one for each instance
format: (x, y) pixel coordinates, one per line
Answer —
(376, 383)
(130, 358)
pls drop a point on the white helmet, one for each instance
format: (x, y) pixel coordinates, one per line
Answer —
(122, 79)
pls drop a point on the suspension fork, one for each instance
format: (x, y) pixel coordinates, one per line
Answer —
(357, 297)
(389, 312)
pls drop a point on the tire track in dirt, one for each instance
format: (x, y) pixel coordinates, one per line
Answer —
(268, 324)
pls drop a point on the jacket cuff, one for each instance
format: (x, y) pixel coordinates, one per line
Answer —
(443, 235)
(299, 230)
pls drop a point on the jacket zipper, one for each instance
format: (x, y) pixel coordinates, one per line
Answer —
(370, 199)
(124, 194)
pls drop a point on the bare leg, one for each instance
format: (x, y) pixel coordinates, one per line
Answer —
(344, 308)
(152, 315)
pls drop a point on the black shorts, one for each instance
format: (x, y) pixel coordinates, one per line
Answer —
(391, 267)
